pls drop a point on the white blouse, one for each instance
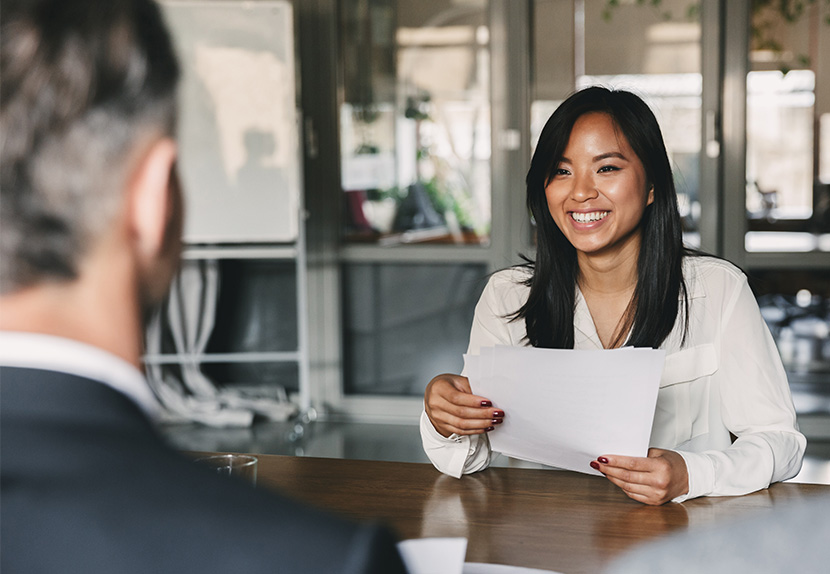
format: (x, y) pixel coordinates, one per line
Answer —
(727, 379)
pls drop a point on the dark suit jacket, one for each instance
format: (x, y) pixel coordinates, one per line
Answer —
(88, 486)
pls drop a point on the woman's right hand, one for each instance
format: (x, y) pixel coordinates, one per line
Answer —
(453, 408)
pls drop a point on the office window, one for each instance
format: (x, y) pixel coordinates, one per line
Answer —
(787, 184)
(415, 122)
(653, 51)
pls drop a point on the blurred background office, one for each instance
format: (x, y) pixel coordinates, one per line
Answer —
(355, 170)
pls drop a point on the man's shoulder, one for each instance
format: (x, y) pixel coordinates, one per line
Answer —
(156, 498)
(221, 518)
(78, 455)
(29, 395)
(789, 539)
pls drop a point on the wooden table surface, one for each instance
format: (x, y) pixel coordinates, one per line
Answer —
(554, 520)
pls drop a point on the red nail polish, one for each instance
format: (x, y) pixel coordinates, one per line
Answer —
(488, 429)
(486, 404)
(498, 413)
(603, 460)
(497, 421)
(594, 465)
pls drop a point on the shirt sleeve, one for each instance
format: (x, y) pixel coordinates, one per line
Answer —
(457, 455)
(454, 455)
(756, 406)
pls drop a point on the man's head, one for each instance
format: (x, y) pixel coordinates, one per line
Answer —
(87, 111)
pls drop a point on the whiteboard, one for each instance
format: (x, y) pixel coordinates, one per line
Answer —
(238, 144)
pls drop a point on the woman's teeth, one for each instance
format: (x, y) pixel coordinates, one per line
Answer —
(589, 217)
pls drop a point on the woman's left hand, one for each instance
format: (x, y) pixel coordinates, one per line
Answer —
(660, 477)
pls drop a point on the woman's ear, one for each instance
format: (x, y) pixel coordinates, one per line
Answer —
(148, 197)
(650, 198)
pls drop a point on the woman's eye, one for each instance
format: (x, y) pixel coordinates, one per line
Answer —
(561, 171)
(607, 168)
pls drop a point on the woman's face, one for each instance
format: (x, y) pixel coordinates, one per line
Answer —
(599, 190)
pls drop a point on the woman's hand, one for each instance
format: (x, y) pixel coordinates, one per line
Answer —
(453, 408)
(660, 477)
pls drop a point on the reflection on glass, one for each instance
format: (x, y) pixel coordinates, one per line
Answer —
(415, 121)
(787, 197)
(405, 323)
(779, 144)
(653, 51)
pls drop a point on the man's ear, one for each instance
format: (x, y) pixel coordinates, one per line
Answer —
(148, 190)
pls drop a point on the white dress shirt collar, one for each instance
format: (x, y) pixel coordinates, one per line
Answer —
(585, 331)
(51, 353)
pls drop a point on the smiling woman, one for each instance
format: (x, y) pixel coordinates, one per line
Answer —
(611, 270)
(603, 150)
(598, 193)
(597, 196)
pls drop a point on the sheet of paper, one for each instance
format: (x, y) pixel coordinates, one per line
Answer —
(433, 555)
(564, 408)
(481, 568)
(446, 556)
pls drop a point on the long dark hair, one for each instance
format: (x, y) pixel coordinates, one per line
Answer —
(549, 310)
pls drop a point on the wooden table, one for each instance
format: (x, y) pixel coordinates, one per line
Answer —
(554, 520)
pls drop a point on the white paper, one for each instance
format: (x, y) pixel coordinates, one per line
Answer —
(446, 556)
(433, 555)
(564, 408)
(481, 568)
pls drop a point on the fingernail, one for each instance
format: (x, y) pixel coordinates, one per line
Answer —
(594, 465)
(486, 404)
(498, 413)
(603, 460)
(497, 421)
(488, 429)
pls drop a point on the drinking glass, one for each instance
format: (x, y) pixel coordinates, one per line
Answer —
(238, 465)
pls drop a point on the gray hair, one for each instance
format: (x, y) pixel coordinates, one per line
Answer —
(81, 82)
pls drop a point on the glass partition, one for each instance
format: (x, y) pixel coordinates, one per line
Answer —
(415, 121)
(406, 323)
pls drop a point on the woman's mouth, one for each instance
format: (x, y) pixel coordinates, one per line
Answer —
(588, 217)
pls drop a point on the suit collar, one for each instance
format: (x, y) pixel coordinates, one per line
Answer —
(38, 351)
(51, 397)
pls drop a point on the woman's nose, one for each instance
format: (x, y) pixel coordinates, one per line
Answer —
(584, 188)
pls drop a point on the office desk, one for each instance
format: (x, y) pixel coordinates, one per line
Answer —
(548, 519)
